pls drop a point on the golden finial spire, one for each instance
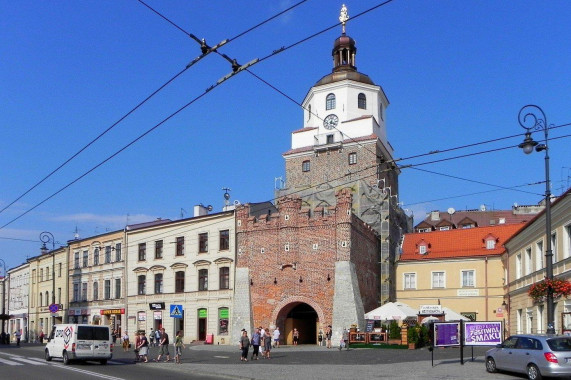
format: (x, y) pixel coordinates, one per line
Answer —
(343, 17)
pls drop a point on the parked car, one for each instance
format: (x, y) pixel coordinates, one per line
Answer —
(534, 355)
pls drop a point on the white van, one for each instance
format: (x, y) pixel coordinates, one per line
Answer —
(79, 342)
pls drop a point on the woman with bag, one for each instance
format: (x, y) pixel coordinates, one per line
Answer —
(244, 345)
(143, 348)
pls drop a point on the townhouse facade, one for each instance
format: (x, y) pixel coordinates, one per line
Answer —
(460, 269)
(524, 261)
(18, 288)
(48, 285)
(180, 276)
(97, 280)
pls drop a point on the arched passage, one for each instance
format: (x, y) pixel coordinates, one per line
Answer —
(301, 316)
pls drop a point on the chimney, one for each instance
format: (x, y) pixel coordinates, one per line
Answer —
(200, 210)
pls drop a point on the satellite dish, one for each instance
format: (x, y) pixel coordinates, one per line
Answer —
(451, 211)
(209, 208)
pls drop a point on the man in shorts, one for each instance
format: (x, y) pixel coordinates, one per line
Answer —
(164, 346)
(277, 337)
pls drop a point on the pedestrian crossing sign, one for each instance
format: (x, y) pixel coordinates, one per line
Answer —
(176, 311)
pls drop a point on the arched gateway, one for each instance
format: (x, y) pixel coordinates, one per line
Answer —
(302, 314)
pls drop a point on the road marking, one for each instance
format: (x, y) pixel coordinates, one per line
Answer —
(222, 357)
(9, 362)
(24, 360)
(102, 376)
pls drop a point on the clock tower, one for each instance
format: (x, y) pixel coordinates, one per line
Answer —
(343, 144)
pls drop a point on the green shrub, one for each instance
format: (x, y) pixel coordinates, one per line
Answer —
(413, 335)
(394, 330)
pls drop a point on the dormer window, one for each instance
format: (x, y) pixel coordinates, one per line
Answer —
(490, 244)
(362, 101)
(330, 102)
(422, 249)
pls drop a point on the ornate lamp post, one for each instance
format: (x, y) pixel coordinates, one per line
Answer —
(47, 237)
(532, 118)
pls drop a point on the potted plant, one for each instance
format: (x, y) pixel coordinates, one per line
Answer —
(394, 333)
(353, 328)
(413, 336)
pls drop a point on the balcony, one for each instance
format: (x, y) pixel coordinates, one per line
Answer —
(328, 141)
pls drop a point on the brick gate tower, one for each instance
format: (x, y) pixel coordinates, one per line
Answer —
(324, 253)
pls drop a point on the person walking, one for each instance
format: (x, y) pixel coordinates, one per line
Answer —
(277, 337)
(267, 344)
(126, 342)
(295, 336)
(42, 336)
(344, 340)
(157, 337)
(114, 336)
(143, 348)
(256, 338)
(262, 336)
(328, 334)
(178, 346)
(152, 338)
(164, 346)
(137, 344)
(244, 345)
(18, 336)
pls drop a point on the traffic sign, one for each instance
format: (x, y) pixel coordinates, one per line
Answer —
(176, 311)
(54, 308)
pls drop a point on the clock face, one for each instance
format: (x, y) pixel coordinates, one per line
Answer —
(330, 121)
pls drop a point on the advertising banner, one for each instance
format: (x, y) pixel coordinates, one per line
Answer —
(483, 333)
(446, 334)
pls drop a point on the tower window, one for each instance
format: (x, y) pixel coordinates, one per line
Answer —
(330, 102)
(362, 101)
(305, 166)
(352, 158)
(381, 111)
(330, 139)
(309, 112)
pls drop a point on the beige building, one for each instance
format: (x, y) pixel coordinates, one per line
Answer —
(17, 289)
(181, 275)
(97, 280)
(525, 265)
(48, 285)
(460, 269)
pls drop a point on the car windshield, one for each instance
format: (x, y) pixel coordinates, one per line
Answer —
(560, 344)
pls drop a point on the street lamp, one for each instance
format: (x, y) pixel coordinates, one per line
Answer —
(532, 118)
(47, 237)
(3, 317)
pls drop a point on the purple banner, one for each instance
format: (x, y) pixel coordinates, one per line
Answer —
(447, 334)
(482, 333)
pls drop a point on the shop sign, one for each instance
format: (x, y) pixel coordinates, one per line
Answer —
(430, 309)
(468, 292)
(202, 313)
(223, 313)
(142, 316)
(157, 306)
(112, 311)
(158, 315)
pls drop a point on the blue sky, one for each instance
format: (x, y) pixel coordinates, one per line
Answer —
(455, 73)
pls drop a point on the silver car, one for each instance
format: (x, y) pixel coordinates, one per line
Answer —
(534, 355)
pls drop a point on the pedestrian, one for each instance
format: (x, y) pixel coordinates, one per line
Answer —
(126, 343)
(244, 346)
(137, 344)
(320, 338)
(328, 334)
(18, 336)
(295, 336)
(143, 348)
(267, 344)
(262, 336)
(164, 346)
(157, 337)
(256, 339)
(344, 340)
(151, 338)
(114, 336)
(277, 337)
(178, 346)
(42, 336)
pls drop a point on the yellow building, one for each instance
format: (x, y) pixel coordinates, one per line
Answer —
(97, 280)
(525, 265)
(48, 285)
(460, 269)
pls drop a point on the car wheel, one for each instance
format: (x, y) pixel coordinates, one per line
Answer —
(65, 358)
(533, 372)
(491, 365)
(103, 361)
(47, 356)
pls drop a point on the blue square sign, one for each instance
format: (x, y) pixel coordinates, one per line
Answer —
(176, 311)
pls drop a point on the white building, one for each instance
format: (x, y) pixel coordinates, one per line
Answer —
(183, 268)
(18, 289)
